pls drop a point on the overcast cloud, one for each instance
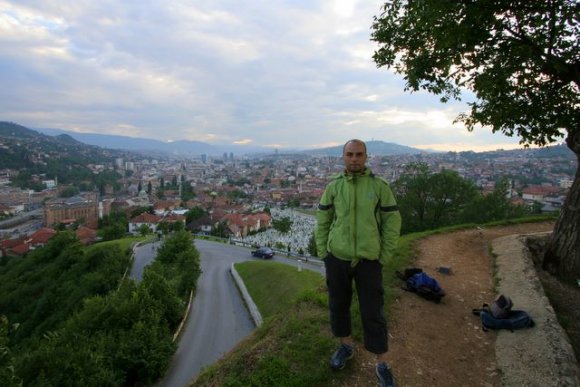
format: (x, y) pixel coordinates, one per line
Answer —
(287, 74)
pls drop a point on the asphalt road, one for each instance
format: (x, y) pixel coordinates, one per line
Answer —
(218, 318)
(144, 255)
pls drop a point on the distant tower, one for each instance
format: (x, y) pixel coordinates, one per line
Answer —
(204, 158)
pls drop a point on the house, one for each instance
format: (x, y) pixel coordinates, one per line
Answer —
(173, 218)
(86, 235)
(150, 220)
(537, 193)
(21, 246)
(161, 206)
(7, 245)
(242, 224)
(202, 225)
(40, 237)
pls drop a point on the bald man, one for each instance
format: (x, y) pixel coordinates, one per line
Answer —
(358, 226)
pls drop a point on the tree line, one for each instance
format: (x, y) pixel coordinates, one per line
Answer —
(429, 200)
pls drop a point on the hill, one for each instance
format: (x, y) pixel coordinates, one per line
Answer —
(26, 146)
(161, 148)
(374, 147)
(183, 147)
(32, 153)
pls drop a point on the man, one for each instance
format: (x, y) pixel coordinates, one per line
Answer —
(357, 232)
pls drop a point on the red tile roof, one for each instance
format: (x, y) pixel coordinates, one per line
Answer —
(42, 236)
(146, 218)
(86, 235)
(19, 250)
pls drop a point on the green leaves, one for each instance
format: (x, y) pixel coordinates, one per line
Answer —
(520, 59)
(433, 200)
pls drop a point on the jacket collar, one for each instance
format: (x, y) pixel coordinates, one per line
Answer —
(350, 176)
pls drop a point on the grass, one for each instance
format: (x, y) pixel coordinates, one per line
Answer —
(292, 347)
(275, 286)
(124, 243)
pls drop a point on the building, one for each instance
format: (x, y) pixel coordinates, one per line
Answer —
(82, 208)
(149, 220)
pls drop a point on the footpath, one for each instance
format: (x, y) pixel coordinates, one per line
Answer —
(444, 344)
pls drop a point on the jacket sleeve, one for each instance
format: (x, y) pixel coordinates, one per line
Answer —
(324, 218)
(390, 224)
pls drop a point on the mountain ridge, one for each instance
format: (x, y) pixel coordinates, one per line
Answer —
(197, 147)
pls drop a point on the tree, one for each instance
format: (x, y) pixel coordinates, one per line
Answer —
(144, 230)
(520, 58)
(187, 192)
(69, 192)
(7, 374)
(194, 214)
(494, 206)
(282, 225)
(312, 245)
(220, 230)
(430, 200)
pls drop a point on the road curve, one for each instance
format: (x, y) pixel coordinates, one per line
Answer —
(218, 319)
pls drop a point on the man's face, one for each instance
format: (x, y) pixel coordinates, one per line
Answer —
(354, 157)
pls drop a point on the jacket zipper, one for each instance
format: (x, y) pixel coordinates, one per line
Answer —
(354, 217)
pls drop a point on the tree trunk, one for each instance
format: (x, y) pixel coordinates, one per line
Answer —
(562, 256)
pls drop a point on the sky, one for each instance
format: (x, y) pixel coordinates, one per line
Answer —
(282, 74)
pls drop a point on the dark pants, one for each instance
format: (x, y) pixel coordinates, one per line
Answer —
(368, 278)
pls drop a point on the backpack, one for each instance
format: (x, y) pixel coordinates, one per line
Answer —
(501, 306)
(417, 281)
(501, 316)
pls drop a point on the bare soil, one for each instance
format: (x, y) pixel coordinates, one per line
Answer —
(443, 344)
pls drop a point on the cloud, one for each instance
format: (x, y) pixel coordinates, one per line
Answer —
(286, 74)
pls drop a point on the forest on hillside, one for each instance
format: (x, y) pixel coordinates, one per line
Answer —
(69, 317)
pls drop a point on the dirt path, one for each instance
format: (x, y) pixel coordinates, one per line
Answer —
(443, 344)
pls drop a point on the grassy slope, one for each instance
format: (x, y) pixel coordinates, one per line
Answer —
(293, 346)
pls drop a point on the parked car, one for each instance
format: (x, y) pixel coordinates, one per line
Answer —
(263, 252)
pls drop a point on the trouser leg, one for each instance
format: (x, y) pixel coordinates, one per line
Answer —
(369, 284)
(339, 284)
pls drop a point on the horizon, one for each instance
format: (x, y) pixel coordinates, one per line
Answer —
(441, 148)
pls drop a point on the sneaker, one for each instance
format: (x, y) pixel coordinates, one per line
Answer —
(385, 376)
(340, 357)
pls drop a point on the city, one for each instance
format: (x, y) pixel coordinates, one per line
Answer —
(245, 193)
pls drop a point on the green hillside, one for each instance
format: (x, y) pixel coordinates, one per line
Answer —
(68, 316)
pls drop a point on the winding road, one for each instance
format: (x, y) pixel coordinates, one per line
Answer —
(218, 318)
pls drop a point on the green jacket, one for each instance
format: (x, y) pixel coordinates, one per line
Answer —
(358, 218)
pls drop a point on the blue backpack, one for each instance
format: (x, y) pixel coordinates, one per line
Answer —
(425, 286)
